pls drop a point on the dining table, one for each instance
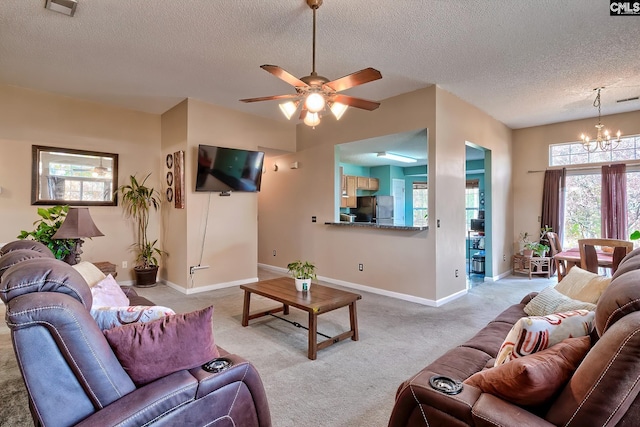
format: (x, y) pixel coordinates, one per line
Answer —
(565, 260)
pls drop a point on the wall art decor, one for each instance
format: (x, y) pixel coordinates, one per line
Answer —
(178, 179)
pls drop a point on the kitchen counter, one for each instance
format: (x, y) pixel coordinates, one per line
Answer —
(372, 225)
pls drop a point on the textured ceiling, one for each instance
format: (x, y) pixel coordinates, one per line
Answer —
(525, 62)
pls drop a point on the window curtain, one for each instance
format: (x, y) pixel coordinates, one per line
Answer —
(553, 200)
(614, 202)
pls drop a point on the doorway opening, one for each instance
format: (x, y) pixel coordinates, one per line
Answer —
(475, 214)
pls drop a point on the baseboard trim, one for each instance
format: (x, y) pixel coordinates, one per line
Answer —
(500, 276)
(215, 286)
(378, 291)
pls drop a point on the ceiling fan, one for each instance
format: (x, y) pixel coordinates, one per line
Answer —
(316, 91)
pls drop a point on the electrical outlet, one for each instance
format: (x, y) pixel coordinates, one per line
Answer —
(124, 264)
(313, 219)
(456, 273)
(274, 252)
(360, 267)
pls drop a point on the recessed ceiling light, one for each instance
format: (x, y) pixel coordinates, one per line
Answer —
(68, 7)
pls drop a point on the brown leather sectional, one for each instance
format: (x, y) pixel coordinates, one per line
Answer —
(603, 391)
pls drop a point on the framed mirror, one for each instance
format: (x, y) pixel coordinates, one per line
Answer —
(62, 176)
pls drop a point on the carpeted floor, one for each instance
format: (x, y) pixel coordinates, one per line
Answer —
(351, 383)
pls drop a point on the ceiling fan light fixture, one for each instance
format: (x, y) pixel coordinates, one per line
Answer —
(289, 108)
(314, 102)
(397, 157)
(338, 109)
(312, 119)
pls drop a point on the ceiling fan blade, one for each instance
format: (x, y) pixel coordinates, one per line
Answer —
(269, 98)
(356, 102)
(354, 79)
(284, 75)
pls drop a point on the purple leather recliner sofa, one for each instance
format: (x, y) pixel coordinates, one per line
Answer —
(73, 377)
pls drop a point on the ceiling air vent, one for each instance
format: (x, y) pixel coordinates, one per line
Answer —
(68, 7)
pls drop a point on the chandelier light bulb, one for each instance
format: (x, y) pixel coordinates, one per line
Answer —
(312, 119)
(314, 102)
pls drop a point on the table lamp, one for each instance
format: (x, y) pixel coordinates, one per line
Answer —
(76, 226)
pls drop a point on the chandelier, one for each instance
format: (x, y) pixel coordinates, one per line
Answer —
(603, 138)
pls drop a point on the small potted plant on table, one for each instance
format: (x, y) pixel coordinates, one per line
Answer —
(303, 273)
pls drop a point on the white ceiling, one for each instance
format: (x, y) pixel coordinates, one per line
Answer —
(525, 62)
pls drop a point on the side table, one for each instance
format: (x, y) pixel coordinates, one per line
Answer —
(540, 265)
(107, 268)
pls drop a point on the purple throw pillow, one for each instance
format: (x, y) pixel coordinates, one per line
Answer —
(148, 351)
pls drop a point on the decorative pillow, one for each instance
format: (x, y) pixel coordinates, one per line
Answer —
(107, 293)
(89, 272)
(550, 301)
(532, 334)
(110, 317)
(536, 378)
(148, 351)
(583, 285)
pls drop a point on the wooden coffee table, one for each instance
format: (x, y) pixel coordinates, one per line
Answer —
(320, 299)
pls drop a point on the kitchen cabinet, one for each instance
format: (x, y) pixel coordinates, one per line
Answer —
(366, 183)
(350, 201)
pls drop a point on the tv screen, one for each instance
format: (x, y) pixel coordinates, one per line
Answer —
(228, 169)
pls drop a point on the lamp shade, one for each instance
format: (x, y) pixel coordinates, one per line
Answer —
(77, 225)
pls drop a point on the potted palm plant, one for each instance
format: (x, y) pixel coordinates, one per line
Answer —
(303, 273)
(137, 201)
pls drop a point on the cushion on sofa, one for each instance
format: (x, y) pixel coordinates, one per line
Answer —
(89, 272)
(583, 285)
(107, 293)
(620, 299)
(536, 333)
(111, 317)
(148, 351)
(534, 379)
(550, 301)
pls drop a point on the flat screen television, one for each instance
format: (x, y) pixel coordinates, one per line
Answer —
(222, 169)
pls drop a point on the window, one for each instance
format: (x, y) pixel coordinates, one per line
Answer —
(420, 204)
(472, 201)
(573, 153)
(582, 204)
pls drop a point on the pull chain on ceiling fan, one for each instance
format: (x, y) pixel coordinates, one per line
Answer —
(316, 92)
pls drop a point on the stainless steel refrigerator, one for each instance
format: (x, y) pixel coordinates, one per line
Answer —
(374, 209)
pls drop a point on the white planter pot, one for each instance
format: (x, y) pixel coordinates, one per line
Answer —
(303, 285)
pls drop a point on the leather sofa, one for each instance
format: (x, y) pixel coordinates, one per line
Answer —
(73, 377)
(603, 390)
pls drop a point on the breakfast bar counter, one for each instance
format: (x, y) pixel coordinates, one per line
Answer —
(378, 226)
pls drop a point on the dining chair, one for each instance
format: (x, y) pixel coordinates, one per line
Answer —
(589, 256)
(555, 248)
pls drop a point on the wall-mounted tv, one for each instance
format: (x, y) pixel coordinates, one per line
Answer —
(228, 169)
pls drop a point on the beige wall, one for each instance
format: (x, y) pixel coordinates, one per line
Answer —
(531, 153)
(458, 122)
(402, 262)
(34, 118)
(174, 221)
(231, 239)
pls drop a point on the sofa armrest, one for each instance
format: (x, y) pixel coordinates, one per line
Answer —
(147, 403)
(192, 396)
(490, 410)
(417, 403)
(528, 297)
